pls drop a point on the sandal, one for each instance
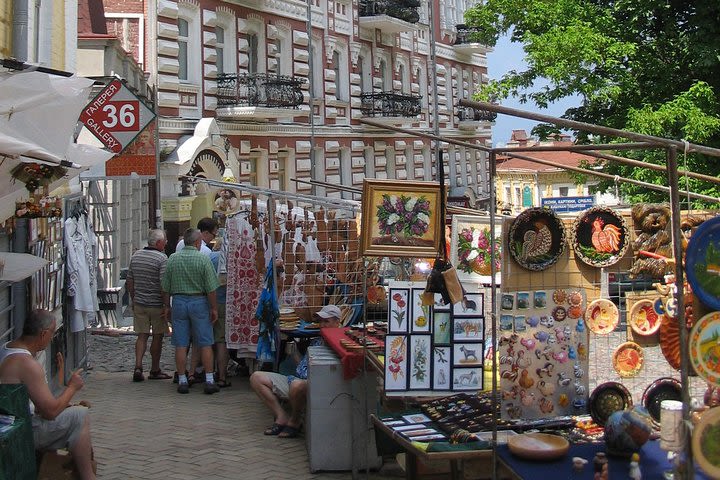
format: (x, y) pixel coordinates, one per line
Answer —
(138, 375)
(223, 383)
(289, 432)
(274, 429)
(158, 375)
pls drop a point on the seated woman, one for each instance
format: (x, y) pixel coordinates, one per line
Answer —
(271, 386)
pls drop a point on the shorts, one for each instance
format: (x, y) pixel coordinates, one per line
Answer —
(219, 326)
(280, 385)
(191, 312)
(63, 432)
(149, 319)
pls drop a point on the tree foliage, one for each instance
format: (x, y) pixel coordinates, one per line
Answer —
(649, 66)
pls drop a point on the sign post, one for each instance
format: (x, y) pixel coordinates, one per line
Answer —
(116, 116)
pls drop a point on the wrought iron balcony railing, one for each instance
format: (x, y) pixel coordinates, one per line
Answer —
(466, 35)
(389, 104)
(470, 114)
(259, 90)
(405, 10)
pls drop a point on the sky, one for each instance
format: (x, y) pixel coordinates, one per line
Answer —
(508, 56)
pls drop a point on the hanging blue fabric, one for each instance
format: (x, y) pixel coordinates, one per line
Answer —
(268, 314)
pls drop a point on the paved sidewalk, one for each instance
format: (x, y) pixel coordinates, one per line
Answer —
(146, 430)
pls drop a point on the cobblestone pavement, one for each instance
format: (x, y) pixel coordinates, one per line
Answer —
(146, 430)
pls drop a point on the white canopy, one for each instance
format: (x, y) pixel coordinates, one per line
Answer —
(19, 266)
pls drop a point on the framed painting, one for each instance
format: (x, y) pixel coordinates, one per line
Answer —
(441, 368)
(469, 329)
(441, 327)
(421, 315)
(400, 219)
(467, 355)
(467, 378)
(398, 310)
(420, 365)
(396, 355)
(470, 250)
(471, 304)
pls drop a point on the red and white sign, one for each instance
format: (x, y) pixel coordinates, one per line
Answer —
(116, 116)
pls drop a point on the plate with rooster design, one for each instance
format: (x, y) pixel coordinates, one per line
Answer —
(537, 238)
(600, 237)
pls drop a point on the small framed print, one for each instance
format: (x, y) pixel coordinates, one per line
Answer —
(506, 322)
(441, 327)
(421, 315)
(540, 299)
(416, 418)
(507, 301)
(467, 378)
(467, 355)
(471, 304)
(523, 300)
(420, 362)
(441, 368)
(469, 329)
(396, 362)
(519, 323)
(398, 310)
(439, 305)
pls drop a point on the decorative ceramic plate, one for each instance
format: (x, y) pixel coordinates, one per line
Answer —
(705, 441)
(537, 238)
(601, 316)
(665, 388)
(600, 237)
(702, 262)
(628, 359)
(607, 399)
(559, 296)
(538, 446)
(575, 298)
(643, 318)
(670, 341)
(659, 306)
(705, 348)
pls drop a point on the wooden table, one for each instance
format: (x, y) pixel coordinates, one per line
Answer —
(414, 453)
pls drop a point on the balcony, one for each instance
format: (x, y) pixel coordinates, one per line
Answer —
(389, 16)
(466, 42)
(470, 118)
(390, 107)
(259, 95)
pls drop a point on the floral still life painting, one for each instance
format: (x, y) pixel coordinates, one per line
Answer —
(396, 365)
(398, 311)
(420, 358)
(474, 250)
(400, 218)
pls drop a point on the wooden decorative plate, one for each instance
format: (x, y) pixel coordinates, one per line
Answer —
(600, 237)
(704, 348)
(536, 239)
(607, 399)
(705, 441)
(702, 262)
(601, 316)
(643, 318)
(670, 341)
(665, 388)
(628, 359)
(538, 446)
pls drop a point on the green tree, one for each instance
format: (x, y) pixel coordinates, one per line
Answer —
(649, 66)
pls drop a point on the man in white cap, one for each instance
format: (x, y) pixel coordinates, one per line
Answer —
(271, 386)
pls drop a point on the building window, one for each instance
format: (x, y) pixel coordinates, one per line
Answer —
(369, 162)
(338, 75)
(365, 72)
(183, 32)
(563, 191)
(220, 49)
(518, 198)
(422, 83)
(252, 173)
(252, 53)
(405, 81)
(345, 172)
(385, 77)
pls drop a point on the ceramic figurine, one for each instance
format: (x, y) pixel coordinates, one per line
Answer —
(579, 463)
(635, 473)
(598, 462)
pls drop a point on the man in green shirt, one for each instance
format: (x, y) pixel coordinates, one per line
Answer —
(191, 281)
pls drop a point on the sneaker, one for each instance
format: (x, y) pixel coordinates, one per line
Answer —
(211, 388)
(183, 388)
(138, 375)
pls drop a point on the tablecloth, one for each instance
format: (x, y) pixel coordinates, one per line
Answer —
(653, 462)
(352, 361)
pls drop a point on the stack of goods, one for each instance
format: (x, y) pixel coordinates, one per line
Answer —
(289, 319)
(463, 411)
(359, 338)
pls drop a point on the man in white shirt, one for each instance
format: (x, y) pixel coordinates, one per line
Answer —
(208, 229)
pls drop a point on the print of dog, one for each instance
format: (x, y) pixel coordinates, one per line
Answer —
(468, 353)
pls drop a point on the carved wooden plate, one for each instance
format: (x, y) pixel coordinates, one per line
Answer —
(705, 442)
(670, 341)
(628, 359)
(537, 238)
(643, 318)
(538, 446)
(601, 316)
(607, 399)
(665, 388)
(600, 237)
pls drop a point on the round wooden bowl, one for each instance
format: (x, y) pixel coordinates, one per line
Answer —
(538, 446)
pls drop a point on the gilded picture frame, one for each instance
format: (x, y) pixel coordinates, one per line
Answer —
(386, 233)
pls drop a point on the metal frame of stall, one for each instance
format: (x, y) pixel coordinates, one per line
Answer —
(641, 142)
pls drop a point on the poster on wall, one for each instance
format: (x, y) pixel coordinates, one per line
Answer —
(543, 348)
(433, 349)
